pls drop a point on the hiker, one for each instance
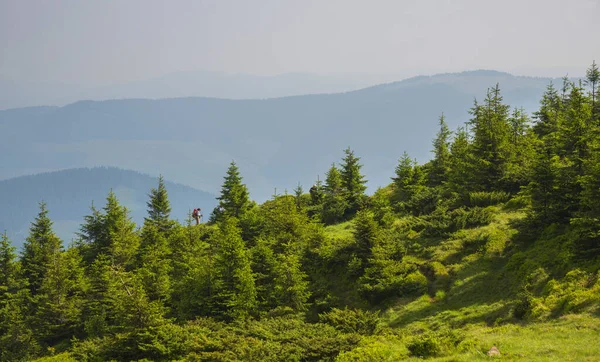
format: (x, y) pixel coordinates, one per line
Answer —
(313, 191)
(196, 215)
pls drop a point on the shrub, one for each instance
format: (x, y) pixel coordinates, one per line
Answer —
(464, 219)
(482, 198)
(414, 284)
(425, 346)
(352, 320)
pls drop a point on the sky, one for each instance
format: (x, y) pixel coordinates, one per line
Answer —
(98, 42)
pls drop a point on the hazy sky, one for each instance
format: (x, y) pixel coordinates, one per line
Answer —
(107, 41)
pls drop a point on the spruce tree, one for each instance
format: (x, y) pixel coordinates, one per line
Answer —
(122, 239)
(155, 264)
(290, 282)
(159, 207)
(521, 152)
(548, 116)
(335, 203)
(9, 278)
(236, 291)
(39, 249)
(353, 182)
(490, 140)
(461, 165)
(404, 179)
(60, 299)
(592, 78)
(366, 234)
(234, 199)
(440, 165)
(575, 130)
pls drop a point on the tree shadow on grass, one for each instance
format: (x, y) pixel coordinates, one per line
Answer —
(478, 293)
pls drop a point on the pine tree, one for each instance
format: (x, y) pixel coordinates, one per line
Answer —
(575, 130)
(9, 269)
(440, 165)
(549, 115)
(155, 263)
(39, 249)
(290, 282)
(236, 290)
(460, 175)
(521, 152)
(490, 140)
(334, 202)
(353, 182)
(123, 241)
(159, 207)
(404, 179)
(60, 299)
(366, 234)
(592, 78)
(234, 199)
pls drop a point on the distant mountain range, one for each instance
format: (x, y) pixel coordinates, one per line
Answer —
(15, 94)
(69, 195)
(277, 142)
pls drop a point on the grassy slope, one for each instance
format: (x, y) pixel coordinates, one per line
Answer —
(478, 275)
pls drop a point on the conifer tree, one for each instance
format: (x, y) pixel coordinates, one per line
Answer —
(440, 165)
(334, 202)
(236, 290)
(16, 337)
(490, 140)
(353, 182)
(9, 278)
(123, 240)
(460, 176)
(234, 199)
(521, 152)
(159, 207)
(290, 282)
(39, 249)
(592, 78)
(548, 116)
(59, 302)
(575, 130)
(404, 179)
(366, 234)
(155, 263)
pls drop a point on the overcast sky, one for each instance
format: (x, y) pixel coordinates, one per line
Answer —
(107, 41)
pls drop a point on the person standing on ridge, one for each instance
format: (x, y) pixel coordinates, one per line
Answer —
(196, 216)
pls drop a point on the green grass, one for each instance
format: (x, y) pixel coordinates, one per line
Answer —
(474, 309)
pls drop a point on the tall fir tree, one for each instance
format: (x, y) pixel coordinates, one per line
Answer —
(592, 79)
(366, 235)
(548, 117)
(159, 207)
(234, 200)
(440, 165)
(9, 270)
(521, 152)
(39, 249)
(353, 182)
(491, 133)
(404, 179)
(461, 165)
(236, 291)
(335, 203)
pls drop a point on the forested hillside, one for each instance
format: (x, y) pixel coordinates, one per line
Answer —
(278, 142)
(492, 243)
